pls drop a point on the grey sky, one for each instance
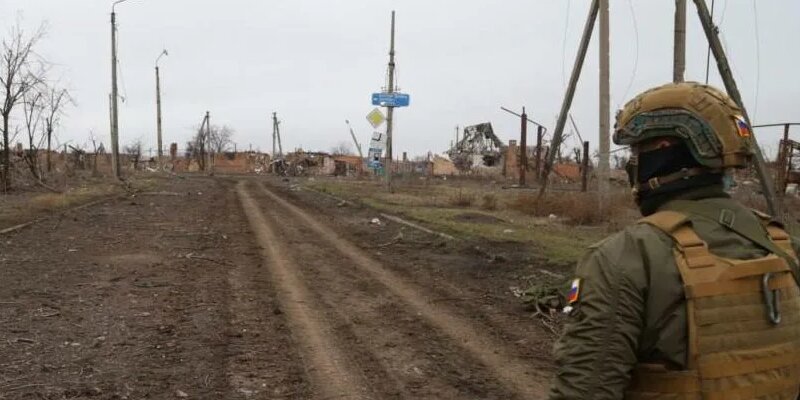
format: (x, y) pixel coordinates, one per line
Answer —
(316, 63)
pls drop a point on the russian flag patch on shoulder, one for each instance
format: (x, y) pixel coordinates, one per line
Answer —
(574, 291)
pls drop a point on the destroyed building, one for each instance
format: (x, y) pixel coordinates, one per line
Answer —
(478, 147)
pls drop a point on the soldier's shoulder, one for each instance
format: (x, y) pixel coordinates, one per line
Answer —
(633, 235)
(629, 243)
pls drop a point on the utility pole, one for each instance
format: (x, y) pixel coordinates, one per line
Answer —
(539, 136)
(605, 109)
(353, 135)
(456, 146)
(115, 164)
(158, 106)
(523, 147)
(570, 94)
(585, 168)
(733, 91)
(276, 135)
(783, 153)
(208, 140)
(390, 111)
(679, 51)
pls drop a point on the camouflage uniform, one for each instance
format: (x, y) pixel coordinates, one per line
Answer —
(631, 303)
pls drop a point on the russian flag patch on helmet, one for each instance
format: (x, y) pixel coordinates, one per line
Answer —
(574, 291)
(742, 127)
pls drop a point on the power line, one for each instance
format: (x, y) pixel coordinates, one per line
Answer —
(564, 48)
(636, 59)
(758, 59)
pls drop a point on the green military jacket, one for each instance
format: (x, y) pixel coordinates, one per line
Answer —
(631, 305)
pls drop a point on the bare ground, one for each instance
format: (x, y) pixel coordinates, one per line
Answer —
(226, 288)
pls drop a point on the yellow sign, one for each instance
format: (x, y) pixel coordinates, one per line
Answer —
(376, 118)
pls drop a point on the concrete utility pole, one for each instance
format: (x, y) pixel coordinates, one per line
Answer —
(274, 139)
(730, 85)
(603, 170)
(115, 165)
(276, 135)
(523, 147)
(570, 94)
(390, 111)
(353, 135)
(158, 106)
(679, 51)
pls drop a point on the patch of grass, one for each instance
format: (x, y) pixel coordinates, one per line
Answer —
(489, 202)
(462, 199)
(439, 205)
(575, 208)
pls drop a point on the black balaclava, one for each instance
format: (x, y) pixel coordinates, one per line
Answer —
(664, 161)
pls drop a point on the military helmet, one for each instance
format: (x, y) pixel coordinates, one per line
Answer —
(706, 119)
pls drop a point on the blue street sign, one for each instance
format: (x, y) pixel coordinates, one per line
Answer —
(391, 99)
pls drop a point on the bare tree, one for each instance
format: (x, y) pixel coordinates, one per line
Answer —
(19, 73)
(33, 108)
(342, 149)
(220, 138)
(134, 150)
(196, 148)
(56, 99)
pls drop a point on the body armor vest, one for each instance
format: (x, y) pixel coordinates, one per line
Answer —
(743, 320)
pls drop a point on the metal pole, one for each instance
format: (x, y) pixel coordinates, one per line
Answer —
(679, 56)
(570, 94)
(730, 85)
(585, 168)
(605, 109)
(115, 163)
(390, 111)
(523, 147)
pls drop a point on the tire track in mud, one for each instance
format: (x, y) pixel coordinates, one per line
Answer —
(325, 362)
(515, 374)
(399, 352)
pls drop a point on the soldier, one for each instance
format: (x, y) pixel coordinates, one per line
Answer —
(699, 299)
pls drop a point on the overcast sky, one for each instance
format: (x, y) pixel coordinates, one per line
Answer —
(317, 62)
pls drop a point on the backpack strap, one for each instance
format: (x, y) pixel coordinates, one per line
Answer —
(767, 235)
(678, 226)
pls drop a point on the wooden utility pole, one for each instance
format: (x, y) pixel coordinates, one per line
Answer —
(679, 50)
(390, 111)
(733, 91)
(570, 94)
(783, 162)
(585, 167)
(208, 140)
(115, 164)
(523, 147)
(603, 170)
(539, 137)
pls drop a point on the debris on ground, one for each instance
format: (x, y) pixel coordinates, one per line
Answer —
(375, 221)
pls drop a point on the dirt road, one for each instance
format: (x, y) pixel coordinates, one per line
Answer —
(226, 288)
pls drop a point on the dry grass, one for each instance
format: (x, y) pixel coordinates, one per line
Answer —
(575, 208)
(489, 202)
(462, 199)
